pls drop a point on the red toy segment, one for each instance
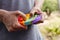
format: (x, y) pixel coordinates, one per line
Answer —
(21, 20)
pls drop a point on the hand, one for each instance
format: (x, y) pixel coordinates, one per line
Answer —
(10, 19)
(35, 9)
(38, 11)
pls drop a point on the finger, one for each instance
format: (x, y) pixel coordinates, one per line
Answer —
(19, 26)
(23, 27)
(32, 13)
(11, 29)
(18, 13)
(39, 11)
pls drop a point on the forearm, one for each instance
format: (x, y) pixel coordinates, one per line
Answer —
(0, 18)
(38, 3)
(2, 13)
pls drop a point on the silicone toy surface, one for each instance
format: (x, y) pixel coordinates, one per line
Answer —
(34, 19)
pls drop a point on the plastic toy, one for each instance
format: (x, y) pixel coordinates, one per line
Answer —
(37, 19)
(29, 21)
(21, 20)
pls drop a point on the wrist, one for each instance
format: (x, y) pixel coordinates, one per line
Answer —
(38, 8)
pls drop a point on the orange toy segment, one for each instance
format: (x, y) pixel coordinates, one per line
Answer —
(22, 22)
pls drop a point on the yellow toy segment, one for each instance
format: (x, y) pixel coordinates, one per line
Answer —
(27, 16)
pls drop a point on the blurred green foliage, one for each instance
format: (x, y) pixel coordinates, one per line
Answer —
(53, 30)
(52, 5)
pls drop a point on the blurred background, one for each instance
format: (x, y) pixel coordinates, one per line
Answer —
(50, 29)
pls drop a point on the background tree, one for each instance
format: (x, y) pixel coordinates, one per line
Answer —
(50, 6)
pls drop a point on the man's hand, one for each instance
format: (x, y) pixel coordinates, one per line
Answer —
(10, 19)
(38, 11)
(35, 9)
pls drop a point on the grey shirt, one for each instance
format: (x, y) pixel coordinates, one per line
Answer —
(24, 6)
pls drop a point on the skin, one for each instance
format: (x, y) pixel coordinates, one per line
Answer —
(37, 7)
(10, 18)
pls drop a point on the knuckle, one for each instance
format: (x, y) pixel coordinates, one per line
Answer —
(9, 30)
(15, 25)
(18, 11)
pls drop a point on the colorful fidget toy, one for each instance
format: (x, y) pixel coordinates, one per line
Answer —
(34, 19)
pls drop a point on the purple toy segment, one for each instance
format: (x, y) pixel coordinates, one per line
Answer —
(38, 18)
